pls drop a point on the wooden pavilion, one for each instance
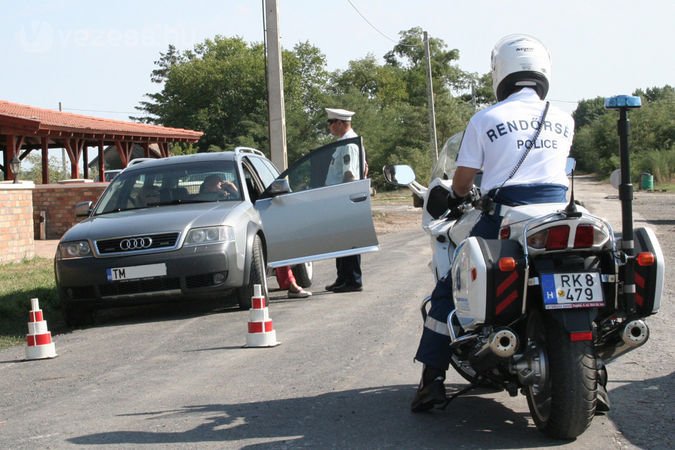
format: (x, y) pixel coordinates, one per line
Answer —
(26, 128)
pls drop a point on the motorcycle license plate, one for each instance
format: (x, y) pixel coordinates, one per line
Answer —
(571, 290)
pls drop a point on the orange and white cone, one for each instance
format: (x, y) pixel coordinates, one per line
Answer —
(39, 339)
(260, 329)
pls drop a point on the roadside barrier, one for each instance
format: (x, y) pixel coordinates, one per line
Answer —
(39, 339)
(261, 331)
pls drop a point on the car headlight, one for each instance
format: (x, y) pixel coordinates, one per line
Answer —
(209, 235)
(75, 249)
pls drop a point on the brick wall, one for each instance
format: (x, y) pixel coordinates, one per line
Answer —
(16, 222)
(57, 201)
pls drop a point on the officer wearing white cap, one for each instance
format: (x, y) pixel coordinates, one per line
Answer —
(344, 167)
(339, 114)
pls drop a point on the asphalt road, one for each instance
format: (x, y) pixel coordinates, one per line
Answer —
(343, 376)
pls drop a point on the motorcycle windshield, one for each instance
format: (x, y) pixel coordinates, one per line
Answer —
(447, 158)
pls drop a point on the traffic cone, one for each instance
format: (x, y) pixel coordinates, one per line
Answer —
(39, 339)
(260, 329)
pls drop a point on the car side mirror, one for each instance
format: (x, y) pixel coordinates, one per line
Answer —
(83, 209)
(399, 174)
(278, 187)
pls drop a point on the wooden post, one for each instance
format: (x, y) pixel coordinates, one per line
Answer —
(45, 159)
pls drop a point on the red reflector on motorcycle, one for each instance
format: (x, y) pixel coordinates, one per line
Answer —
(474, 274)
(645, 259)
(578, 336)
(507, 264)
(505, 233)
(583, 238)
(557, 237)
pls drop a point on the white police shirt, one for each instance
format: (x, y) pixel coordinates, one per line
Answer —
(345, 158)
(496, 138)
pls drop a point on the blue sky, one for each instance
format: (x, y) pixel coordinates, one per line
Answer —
(96, 57)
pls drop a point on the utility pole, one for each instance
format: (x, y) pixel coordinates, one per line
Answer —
(275, 87)
(430, 95)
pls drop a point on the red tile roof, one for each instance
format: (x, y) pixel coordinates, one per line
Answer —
(47, 122)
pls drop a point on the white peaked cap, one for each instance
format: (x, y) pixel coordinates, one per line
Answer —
(339, 114)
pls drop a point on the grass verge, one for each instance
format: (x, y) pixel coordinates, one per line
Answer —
(19, 282)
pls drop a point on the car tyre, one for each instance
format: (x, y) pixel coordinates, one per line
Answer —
(303, 274)
(257, 275)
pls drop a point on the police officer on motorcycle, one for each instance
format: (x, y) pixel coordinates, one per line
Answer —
(521, 144)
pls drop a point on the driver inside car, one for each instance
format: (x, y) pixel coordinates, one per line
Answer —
(216, 184)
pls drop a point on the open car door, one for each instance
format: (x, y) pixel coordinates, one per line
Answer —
(307, 219)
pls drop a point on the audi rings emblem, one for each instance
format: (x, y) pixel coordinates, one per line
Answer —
(138, 243)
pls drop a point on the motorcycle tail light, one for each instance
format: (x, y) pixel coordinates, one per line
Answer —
(557, 237)
(553, 238)
(645, 259)
(505, 233)
(583, 238)
(588, 235)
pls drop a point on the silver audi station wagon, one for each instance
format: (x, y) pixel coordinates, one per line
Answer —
(209, 224)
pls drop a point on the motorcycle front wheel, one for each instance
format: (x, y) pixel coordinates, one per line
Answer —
(562, 398)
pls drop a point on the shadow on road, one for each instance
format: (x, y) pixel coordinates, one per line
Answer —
(367, 418)
(644, 411)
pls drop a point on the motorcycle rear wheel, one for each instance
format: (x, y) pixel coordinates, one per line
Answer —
(562, 400)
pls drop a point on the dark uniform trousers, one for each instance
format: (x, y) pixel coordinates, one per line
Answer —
(349, 270)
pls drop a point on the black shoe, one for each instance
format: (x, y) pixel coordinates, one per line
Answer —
(431, 391)
(332, 287)
(348, 288)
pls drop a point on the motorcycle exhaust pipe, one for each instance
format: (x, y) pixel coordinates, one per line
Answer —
(633, 335)
(502, 343)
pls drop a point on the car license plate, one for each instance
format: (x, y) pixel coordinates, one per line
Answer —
(571, 290)
(135, 272)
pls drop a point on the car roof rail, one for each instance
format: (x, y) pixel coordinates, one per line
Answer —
(255, 151)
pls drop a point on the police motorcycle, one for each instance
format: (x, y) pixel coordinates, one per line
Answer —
(545, 306)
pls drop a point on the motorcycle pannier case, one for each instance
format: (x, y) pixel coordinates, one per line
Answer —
(483, 293)
(648, 279)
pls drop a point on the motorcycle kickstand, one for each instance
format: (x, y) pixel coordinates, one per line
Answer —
(450, 398)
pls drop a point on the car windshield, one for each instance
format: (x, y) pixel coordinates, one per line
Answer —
(152, 186)
(447, 158)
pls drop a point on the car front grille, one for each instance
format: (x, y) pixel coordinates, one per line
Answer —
(159, 241)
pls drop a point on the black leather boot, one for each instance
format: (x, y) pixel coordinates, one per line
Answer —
(431, 391)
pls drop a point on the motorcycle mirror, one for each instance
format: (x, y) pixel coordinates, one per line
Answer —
(399, 174)
(615, 179)
(570, 166)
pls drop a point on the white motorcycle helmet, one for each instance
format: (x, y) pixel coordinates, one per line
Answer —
(520, 60)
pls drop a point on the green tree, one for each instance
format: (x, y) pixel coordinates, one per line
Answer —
(31, 168)
(587, 111)
(219, 87)
(391, 102)
(651, 138)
